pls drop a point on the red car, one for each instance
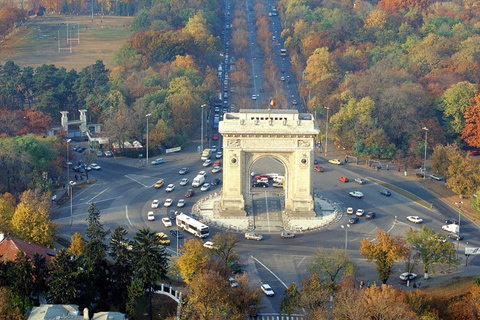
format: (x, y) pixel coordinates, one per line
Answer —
(343, 179)
(475, 153)
(217, 163)
(215, 136)
(261, 176)
(318, 168)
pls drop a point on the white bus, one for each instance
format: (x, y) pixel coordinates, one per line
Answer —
(193, 226)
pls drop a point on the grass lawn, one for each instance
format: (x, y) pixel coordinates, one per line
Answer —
(35, 44)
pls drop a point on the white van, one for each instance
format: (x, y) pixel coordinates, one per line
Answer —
(198, 181)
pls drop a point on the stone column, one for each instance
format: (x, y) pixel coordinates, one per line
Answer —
(64, 121)
(83, 119)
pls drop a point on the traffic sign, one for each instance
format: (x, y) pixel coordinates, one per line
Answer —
(472, 250)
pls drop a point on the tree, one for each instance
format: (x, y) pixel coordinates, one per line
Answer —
(225, 243)
(384, 252)
(40, 275)
(8, 308)
(121, 268)
(77, 245)
(149, 261)
(244, 301)
(330, 265)
(471, 130)
(386, 303)
(23, 278)
(191, 260)
(65, 277)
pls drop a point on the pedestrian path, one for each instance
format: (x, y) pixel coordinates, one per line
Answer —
(273, 316)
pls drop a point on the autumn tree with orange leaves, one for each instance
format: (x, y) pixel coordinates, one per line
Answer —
(471, 130)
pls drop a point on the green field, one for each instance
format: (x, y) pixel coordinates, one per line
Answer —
(35, 44)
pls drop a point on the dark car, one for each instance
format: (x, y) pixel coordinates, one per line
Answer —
(353, 220)
(176, 234)
(451, 221)
(260, 184)
(172, 215)
(455, 236)
(189, 193)
(385, 193)
(215, 182)
(370, 215)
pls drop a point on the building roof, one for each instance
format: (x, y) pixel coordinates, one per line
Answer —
(9, 247)
(55, 311)
(108, 316)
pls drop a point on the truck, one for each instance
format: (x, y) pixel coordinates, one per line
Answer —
(198, 181)
(206, 154)
(452, 228)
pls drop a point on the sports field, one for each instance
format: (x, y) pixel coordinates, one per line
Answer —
(38, 43)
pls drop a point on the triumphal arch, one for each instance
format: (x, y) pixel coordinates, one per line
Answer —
(286, 135)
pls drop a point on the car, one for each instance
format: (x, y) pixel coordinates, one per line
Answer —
(108, 153)
(455, 236)
(260, 176)
(184, 181)
(356, 194)
(205, 187)
(407, 276)
(343, 179)
(359, 212)
(277, 185)
(150, 216)
(282, 70)
(172, 215)
(415, 219)
(385, 193)
(215, 136)
(215, 182)
(267, 290)
(253, 236)
(207, 163)
(163, 239)
(451, 221)
(319, 168)
(99, 154)
(257, 184)
(170, 187)
(176, 234)
(166, 222)
(349, 210)
(181, 203)
(81, 149)
(189, 193)
(435, 177)
(214, 148)
(217, 163)
(159, 184)
(158, 161)
(286, 234)
(216, 169)
(282, 78)
(254, 97)
(475, 153)
(168, 203)
(75, 148)
(202, 173)
(370, 215)
(209, 245)
(95, 166)
(290, 81)
(78, 169)
(353, 220)
(335, 161)
(184, 170)
(360, 180)
(155, 203)
(233, 282)
(219, 154)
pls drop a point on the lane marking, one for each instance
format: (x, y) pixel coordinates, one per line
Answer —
(266, 268)
(126, 214)
(91, 199)
(137, 181)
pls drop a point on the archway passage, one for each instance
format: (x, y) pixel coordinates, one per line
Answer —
(286, 135)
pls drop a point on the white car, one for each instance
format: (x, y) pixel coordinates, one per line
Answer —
(216, 169)
(168, 203)
(166, 222)
(359, 212)
(181, 203)
(254, 97)
(205, 187)
(202, 173)
(150, 216)
(209, 245)
(267, 290)
(356, 194)
(207, 163)
(155, 203)
(414, 219)
(108, 153)
(349, 210)
(184, 182)
(95, 166)
(407, 276)
(219, 154)
(170, 187)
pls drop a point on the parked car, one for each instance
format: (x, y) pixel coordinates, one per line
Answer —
(155, 203)
(260, 176)
(335, 161)
(215, 182)
(256, 184)
(455, 236)
(360, 180)
(370, 215)
(267, 290)
(163, 238)
(184, 170)
(176, 234)
(170, 187)
(253, 236)
(189, 193)
(407, 276)
(184, 182)
(159, 184)
(286, 234)
(168, 203)
(435, 177)
(277, 185)
(158, 161)
(108, 153)
(181, 203)
(353, 220)
(385, 192)
(166, 222)
(99, 154)
(349, 210)
(343, 179)
(356, 194)
(318, 168)
(359, 212)
(415, 219)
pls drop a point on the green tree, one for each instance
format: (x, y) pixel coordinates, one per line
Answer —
(431, 246)
(384, 252)
(332, 264)
(40, 275)
(23, 273)
(65, 278)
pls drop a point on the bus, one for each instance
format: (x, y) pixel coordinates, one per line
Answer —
(193, 226)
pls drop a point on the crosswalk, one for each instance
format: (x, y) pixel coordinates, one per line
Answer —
(277, 316)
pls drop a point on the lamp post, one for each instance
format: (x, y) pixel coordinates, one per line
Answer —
(147, 116)
(70, 185)
(459, 205)
(425, 159)
(201, 134)
(326, 133)
(346, 227)
(68, 165)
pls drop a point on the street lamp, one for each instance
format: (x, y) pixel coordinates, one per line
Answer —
(425, 159)
(70, 185)
(326, 133)
(68, 165)
(201, 135)
(459, 205)
(346, 235)
(147, 116)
